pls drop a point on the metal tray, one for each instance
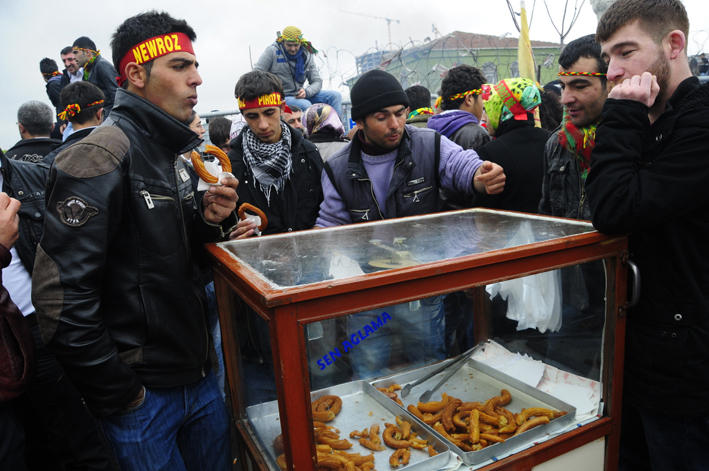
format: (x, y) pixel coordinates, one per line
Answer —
(362, 406)
(476, 381)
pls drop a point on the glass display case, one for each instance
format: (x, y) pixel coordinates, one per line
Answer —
(322, 328)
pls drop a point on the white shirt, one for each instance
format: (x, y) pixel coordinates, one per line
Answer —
(17, 280)
(77, 77)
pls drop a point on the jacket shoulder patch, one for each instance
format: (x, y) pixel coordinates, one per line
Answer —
(97, 154)
(74, 211)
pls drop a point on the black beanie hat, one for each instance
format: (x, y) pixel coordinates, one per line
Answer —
(375, 90)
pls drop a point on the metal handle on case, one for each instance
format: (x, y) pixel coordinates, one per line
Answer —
(635, 296)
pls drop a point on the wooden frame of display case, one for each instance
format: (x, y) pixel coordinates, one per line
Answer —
(288, 310)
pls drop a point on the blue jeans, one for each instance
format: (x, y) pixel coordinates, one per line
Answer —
(175, 429)
(329, 97)
(653, 440)
(418, 326)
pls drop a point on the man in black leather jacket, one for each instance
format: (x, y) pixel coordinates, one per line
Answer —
(118, 293)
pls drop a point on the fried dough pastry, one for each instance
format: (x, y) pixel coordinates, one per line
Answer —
(198, 164)
(392, 437)
(399, 457)
(281, 461)
(432, 451)
(530, 424)
(278, 447)
(448, 411)
(534, 412)
(433, 406)
(333, 439)
(404, 426)
(253, 209)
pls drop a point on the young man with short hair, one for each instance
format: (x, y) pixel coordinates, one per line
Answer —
(567, 156)
(462, 107)
(82, 106)
(72, 72)
(292, 59)
(219, 129)
(292, 116)
(97, 70)
(125, 312)
(419, 106)
(35, 121)
(53, 78)
(278, 169)
(648, 178)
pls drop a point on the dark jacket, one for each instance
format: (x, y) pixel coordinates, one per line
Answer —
(54, 89)
(32, 150)
(297, 207)
(104, 76)
(519, 149)
(73, 138)
(650, 180)
(118, 295)
(563, 192)
(25, 181)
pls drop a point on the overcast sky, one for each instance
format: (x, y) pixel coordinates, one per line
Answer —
(233, 34)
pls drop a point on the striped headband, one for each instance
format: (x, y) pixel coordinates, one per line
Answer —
(476, 91)
(73, 109)
(585, 74)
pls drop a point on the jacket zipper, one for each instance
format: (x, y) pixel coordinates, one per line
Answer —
(582, 199)
(371, 190)
(415, 194)
(149, 198)
(365, 211)
(184, 235)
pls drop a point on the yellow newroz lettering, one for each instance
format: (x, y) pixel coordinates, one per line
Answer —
(177, 45)
(152, 50)
(242, 103)
(137, 56)
(168, 43)
(161, 46)
(144, 51)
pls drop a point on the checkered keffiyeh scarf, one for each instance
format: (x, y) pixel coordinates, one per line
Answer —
(271, 164)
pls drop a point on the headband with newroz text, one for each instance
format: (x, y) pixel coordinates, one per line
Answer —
(272, 99)
(152, 48)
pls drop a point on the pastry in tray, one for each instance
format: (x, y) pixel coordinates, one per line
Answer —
(397, 438)
(472, 426)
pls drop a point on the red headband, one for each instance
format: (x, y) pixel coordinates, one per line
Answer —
(272, 99)
(153, 48)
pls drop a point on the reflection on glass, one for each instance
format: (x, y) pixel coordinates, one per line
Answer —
(311, 256)
(557, 319)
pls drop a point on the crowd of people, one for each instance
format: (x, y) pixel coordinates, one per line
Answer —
(111, 350)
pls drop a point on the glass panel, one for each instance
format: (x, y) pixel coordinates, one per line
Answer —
(545, 330)
(258, 385)
(313, 256)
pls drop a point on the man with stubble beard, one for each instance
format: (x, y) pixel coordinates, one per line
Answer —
(648, 178)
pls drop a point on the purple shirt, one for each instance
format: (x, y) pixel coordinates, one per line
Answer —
(456, 170)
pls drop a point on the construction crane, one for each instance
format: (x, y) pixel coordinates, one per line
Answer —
(388, 20)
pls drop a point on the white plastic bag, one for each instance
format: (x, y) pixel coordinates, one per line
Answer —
(533, 301)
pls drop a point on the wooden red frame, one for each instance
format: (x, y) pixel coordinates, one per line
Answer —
(289, 310)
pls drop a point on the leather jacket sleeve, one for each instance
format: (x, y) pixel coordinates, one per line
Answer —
(85, 210)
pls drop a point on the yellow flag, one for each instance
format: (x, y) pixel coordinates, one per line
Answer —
(525, 59)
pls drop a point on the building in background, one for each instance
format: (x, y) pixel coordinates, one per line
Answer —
(426, 64)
